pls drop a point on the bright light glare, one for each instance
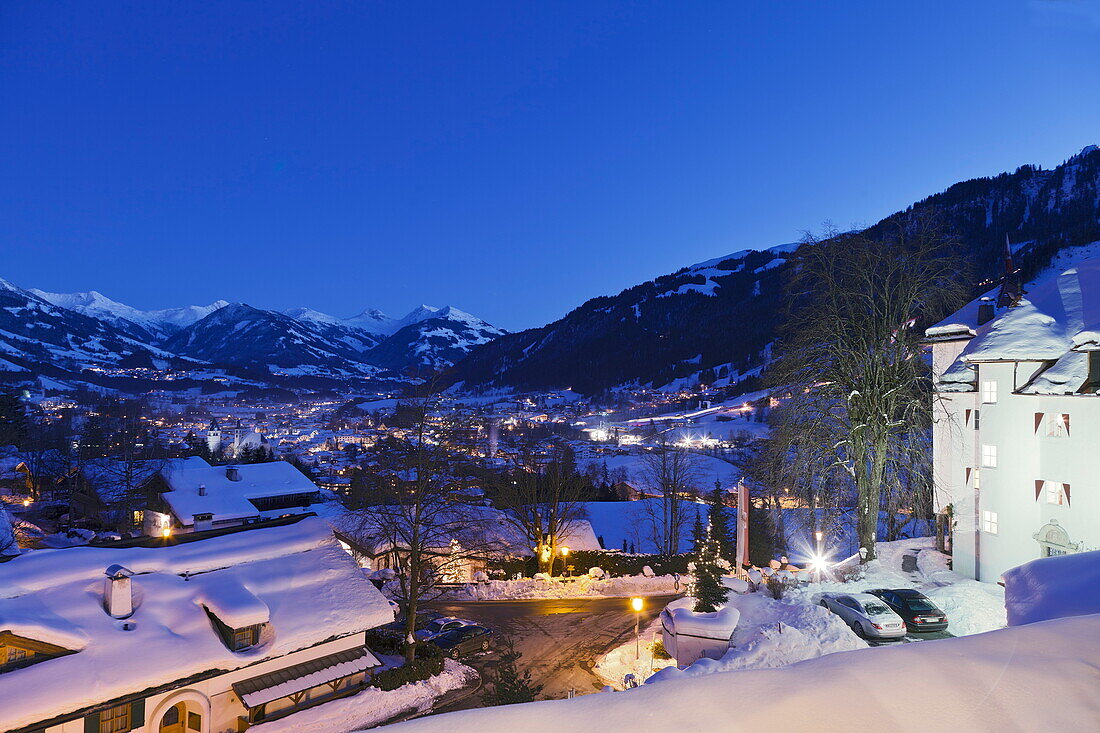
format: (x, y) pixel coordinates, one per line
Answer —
(636, 604)
(818, 563)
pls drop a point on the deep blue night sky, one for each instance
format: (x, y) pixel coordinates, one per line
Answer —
(512, 159)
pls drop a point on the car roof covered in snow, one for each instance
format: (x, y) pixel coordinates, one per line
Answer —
(295, 577)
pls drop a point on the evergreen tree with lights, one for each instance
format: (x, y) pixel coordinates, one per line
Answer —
(719, 521)
(698, 534)
(707, 570)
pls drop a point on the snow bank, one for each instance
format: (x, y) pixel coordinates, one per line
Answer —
(580, 587)
(1040, 676)
(1053, 587)
(773, 633)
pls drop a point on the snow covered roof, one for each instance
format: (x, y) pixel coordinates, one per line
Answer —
(1059, 315)
(296, 577)
(1038, 677)
(225, 498)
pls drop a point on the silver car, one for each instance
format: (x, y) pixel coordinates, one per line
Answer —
(868, 616)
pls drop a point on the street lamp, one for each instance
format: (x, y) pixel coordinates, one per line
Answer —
(637, 604)
(564, 560)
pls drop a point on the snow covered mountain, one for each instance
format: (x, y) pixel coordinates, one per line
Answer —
(87, 337)
(722, 314)
(37, 336)
(433, 338)
(150, 325)
(241, 335)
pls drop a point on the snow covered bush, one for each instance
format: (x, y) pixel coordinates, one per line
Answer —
(427, 663)
(543, 576)
(481, 577)
(648, 571)
(596, 573)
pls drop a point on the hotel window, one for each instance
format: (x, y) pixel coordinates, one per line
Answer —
(115, 720)
(989, 522)
(989, 391)
(1057, 425)
(245, 638)
(1057, 492)
(989, 456)
(976, 475)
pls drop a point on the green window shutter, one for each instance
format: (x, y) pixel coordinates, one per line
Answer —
(91, 723)
(137, 713)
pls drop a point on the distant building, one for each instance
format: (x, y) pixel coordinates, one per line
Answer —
(191, 495)
(234, 440)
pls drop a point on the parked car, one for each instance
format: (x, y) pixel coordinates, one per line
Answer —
(423, 618)
(463, 640)
(868, 615)
(437, 626)
(916, 609)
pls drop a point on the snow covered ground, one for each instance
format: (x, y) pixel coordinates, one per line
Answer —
(1039, 677)
(581, 587)
(774, 633)
(373, 706)
(971, 607)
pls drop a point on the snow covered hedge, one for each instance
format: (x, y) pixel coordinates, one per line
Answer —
(427, 663)
(615, 563)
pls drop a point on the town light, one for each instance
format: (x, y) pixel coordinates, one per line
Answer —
(166, 531)
(636, 603)
(26, 502)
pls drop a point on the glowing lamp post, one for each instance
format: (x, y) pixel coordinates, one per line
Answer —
(637, 604)
(564, 560)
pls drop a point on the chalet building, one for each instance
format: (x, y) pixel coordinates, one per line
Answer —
(191, 495)
(206, 636)
(1017, 423)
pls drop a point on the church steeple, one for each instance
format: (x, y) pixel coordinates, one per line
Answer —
(1010, 280)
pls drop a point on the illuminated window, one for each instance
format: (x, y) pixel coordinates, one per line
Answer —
(976, 474)
(989, 392)
(115, 720)
(989, 522)
(1056, 492)
(989, 456)
(245, 637)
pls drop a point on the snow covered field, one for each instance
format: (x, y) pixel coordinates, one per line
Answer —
(373, 706)
(581, 587)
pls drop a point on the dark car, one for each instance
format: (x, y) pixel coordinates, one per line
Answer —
(423, 618)
(463, 640)
(915, 608)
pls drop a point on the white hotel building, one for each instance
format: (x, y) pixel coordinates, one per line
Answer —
(1016, 437)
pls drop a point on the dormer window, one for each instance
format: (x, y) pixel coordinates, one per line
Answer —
(244, 638)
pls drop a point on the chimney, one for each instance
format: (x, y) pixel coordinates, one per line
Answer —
(985, 311)
(118, 594)
(232, 473)
(202, 489)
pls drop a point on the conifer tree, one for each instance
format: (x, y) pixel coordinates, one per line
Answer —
(719, 521)
(707, 569)
(698, 534)
(13, 418)
(761, 536)
(507, 685)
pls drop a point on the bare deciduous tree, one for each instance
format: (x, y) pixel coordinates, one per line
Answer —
(852, 353)
(544, 503)
(419, 517)
(672, 473)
